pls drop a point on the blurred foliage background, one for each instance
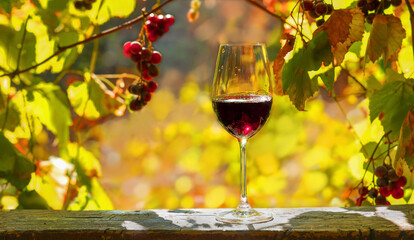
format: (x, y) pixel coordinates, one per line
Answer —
(173, 153)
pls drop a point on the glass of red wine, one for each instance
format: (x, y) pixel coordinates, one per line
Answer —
(242, 99)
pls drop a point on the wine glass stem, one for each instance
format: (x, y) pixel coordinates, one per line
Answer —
(243, 192)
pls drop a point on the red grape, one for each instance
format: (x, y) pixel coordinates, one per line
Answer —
(151, 87)
(380, 200)
(402, 181)
(126, 49)
(135, 48)
(153, 70)
(152, 17)
(146, 54)
(398, 193)
(392, 175)
(321, 8)
(380, 171)
(384, 191)
(135, 105)
(307, 5)
(169, 19)
(156, 57)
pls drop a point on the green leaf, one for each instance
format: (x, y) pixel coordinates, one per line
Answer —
(32, 200)
(328, 78)
(57, 5)
(52, 109)
(100, 196)
(10, 116)
(393, 101)
(66, 58)
(110, 9)
(405, 150)
(86, 164)
(6, 5)
(14, 166)
(295, 78)
(378, 157)
(90, 99)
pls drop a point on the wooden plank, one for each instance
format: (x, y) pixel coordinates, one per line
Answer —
(385, 222)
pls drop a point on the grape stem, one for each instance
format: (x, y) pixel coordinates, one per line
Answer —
(90, 39)
(371, 160)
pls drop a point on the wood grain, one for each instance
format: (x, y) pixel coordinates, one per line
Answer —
(385, 222)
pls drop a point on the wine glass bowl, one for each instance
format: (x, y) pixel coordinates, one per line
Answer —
(242, 99)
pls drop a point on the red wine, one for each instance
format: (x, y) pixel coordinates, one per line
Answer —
(242, 115)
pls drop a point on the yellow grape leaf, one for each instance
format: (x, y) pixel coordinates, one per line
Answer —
(280, 61)
(344, 27)
(386, 37)
(405, 152)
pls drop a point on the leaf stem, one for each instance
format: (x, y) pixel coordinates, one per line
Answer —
(354, 78)
(90, 39)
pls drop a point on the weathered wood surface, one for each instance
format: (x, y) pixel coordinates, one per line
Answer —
(387, 222)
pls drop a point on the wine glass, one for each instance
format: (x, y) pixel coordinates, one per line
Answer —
(242, 99)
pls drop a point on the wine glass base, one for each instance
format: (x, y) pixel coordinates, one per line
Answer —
(244, 217)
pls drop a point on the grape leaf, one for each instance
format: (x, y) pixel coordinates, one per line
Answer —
(344, 27)
(280, 61)
(405, 151)
(385, 38)
(32, 200)
(10, 117)
(52, 108)
(393, 101)
(110, 9)
(14, 166)
(57, 5)
(295, 78)
(6, 5)
(92, 99)
(328, 78)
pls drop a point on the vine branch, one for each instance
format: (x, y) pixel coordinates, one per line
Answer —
(90, 39)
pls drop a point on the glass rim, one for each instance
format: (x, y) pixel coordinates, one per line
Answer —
(241, 44)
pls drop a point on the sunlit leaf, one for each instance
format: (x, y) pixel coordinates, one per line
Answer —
(32, 200)
(393, 101)
(385, 37)
(52, 109)
(111, 8)
(296, 81)
(405, 152)
(92, 99)
(344, 27)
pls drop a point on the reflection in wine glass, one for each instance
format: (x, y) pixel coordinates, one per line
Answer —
(242, 99)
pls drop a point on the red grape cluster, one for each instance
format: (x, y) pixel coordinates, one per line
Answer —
(388, 183)
(158, 25)
(144, 91)
(372, 7)
(316, 9)
(84, 4)
(145, 59)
